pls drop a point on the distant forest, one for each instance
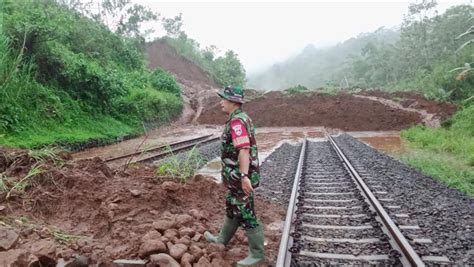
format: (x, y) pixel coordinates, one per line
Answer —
(429, 53)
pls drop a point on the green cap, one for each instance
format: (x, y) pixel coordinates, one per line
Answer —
(233, 93)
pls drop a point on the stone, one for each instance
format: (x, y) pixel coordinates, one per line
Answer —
(163, 224)
(197, 214)
(65, 253)
(18, 257)
(184, 220)
(196, 251)
(215, 247)
(151, 246)
(218, 262)
(177, 251)
(129, 263)
(197, 237)
(2, 208)
(170, 233)
(186, 231)
(203, 262)
(8, 238)
(135, 193)
(164, 260)
(187, 259)
(45, 250)
(151, 235)
(184, 240)
(170, 186)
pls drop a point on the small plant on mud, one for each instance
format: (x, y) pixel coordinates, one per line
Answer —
(181, 168)
(296, 89)
(3, 183)
(46, 154)
(26, 181)
(63, 237)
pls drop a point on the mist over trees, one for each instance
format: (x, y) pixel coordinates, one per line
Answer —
(423, 55)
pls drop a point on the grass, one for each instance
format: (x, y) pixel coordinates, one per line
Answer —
(181, 168)
(26, 181)
(446, 153)
(443, 167)
(87, 129)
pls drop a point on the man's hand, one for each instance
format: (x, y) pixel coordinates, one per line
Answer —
(247, 185)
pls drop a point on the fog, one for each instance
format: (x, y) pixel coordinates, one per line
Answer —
(265, 33)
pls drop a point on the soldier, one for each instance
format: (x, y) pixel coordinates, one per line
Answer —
(241, 175)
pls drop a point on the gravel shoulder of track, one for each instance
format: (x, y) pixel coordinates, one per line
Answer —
(278, 172)
(444, 215)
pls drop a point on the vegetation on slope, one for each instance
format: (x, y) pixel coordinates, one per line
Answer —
(67, 78)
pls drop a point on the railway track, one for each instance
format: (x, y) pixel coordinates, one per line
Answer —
(335, 218)
(161, 151)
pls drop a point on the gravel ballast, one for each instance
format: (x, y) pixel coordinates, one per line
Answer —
(444, 215)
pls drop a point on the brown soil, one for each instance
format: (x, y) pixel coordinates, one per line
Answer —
(343, 111)
(415, 100)
(115, 212)
(195, 83)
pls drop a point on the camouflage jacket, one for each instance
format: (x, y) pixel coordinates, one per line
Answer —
(237, 128)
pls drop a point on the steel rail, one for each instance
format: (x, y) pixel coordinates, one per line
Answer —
(284, 257)
(179, 149)
(157, 148)
(406, 250)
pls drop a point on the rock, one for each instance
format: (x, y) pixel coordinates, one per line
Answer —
(186, 231)
(184, 219)
(185, 240)
(218, 262)
(187, 259)
(8, 238)
(215, 247)
(45, 250)
(66, 253)
(129, 263)
(151, 246)
(81, 261)
(18, 257)
(234, 252)
(163, 224)
(196, 251)
(164, 260)
(170, 233)
(2, 208)
(135, 193)
(197, 214)
(151, 235)
(177, 251)
(197, 237)
(170, 186)
(164, 239)
(203, 262)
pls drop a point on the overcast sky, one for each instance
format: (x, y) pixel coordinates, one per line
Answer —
(264, 33)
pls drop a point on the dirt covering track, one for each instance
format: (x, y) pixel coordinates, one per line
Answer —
(83, 210)
(343, 111)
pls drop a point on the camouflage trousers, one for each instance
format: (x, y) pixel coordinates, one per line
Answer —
(241, 207)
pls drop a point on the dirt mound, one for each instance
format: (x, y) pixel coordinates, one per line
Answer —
(84, 211)
(415, 100)
(343, 111)
(196, 83)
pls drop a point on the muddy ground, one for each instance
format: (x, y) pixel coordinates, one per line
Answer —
(344, 111)
(83, 209)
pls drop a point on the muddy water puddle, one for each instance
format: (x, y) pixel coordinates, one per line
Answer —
(388, 142)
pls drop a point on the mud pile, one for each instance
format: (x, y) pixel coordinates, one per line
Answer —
(83, 211)
(343, 111)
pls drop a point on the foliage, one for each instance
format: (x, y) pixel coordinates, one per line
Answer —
(181, 168)
(446, 153)
(296, 89)
(76, 89)
(418, 57)
(224, 70)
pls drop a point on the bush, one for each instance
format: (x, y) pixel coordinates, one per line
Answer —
(164, 81)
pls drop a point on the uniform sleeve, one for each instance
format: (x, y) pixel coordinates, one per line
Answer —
(240, 136)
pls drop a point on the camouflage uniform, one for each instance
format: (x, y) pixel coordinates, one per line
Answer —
(239, 133)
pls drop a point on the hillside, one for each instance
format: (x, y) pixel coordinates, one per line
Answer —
(195, 83)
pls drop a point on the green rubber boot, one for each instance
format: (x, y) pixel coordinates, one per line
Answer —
(256, 248)
(227, 232)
